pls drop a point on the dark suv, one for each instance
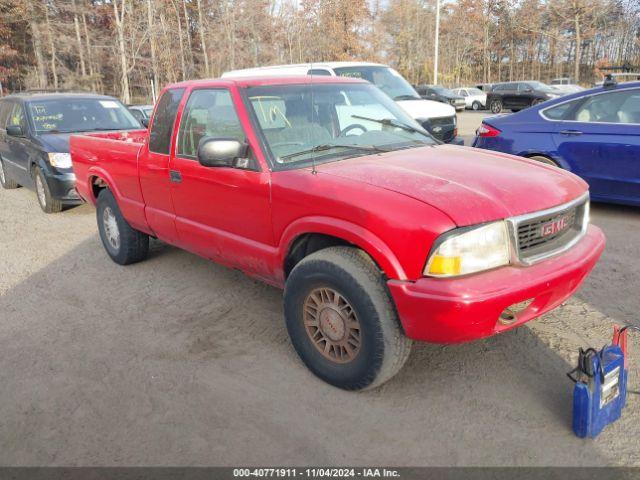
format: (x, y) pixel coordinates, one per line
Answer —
(441, 94)
(34, 140)
(518, 95)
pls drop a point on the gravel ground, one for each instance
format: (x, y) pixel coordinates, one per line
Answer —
(179, 361)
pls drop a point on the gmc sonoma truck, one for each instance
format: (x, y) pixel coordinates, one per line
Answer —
(378, 233)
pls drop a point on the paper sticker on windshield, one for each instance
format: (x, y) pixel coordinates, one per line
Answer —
(109, 104)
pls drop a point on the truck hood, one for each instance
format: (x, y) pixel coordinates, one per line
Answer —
(426, 108)
(469, 185)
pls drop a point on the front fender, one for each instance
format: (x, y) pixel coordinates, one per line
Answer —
(350, 232)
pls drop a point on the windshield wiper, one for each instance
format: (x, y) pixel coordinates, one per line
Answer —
(55, 130)
(327, 146)
(101, 129)
(390, 122)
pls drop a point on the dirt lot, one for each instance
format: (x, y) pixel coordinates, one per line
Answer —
(178, 361)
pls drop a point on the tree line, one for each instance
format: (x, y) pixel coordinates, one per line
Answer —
(129, 48)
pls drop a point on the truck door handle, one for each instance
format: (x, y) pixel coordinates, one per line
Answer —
(175, 176)
(570, 132)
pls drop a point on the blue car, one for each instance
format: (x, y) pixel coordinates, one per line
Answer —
(594, 134)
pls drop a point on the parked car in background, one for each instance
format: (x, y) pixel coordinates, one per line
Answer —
(441, 94)
(485, 87)
(566, 89)
(34, 140)
(594, 134)
(474, 98)
(325, 187)
(438, 119)
(518, 95)
(565, 86)
(141, 112)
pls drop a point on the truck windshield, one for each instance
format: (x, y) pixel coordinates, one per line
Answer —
(80, 115)
(385, 78)
(328, 122)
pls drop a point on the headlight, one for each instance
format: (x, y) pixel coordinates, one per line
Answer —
(60, 160)
(471, 251)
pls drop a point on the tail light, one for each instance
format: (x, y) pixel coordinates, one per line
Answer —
(485, 130)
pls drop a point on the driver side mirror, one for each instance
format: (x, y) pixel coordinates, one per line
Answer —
(15, 130)
(144, 122)
(221, 152)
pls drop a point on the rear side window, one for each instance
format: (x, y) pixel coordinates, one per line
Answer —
(614, 107)
(16, 117)
(162, 128)
(5, 108)
(562, 111)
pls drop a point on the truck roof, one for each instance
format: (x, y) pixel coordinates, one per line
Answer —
(299, 66)
(260, 81)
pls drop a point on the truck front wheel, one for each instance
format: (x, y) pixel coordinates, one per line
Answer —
(123, 243)
(342, 321)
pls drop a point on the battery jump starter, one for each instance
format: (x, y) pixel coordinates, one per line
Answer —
(600, 391)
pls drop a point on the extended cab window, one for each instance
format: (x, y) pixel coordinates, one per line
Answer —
(165, 117)
(208, 113)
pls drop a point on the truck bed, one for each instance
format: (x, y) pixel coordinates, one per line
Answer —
(112, 156)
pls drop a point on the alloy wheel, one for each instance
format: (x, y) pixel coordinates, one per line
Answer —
(332, 325)
(42, 195)
(111, 230)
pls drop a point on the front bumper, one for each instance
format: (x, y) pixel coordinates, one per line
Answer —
(62, 186)
(468, 308)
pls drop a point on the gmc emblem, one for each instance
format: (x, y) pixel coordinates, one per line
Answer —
(556, 226)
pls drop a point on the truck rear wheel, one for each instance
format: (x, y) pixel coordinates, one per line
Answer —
(496, 106)
(124, 244)
(342, 321)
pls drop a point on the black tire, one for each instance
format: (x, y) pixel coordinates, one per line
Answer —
(496, 106)
(6, 182)
(383, 347)
(545, 160)
(48, 204)
(514, 110)
(131, 246)
(476, 105)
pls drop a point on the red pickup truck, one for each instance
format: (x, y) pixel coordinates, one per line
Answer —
(378, 233)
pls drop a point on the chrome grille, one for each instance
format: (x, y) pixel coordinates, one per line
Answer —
(542, 234)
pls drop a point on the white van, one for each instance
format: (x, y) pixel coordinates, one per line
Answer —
(437, 118)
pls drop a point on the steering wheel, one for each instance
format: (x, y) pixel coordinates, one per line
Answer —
(344, 132)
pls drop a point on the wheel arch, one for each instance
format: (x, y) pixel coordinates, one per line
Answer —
(553, 158)
(309, 235)
(97, 180)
